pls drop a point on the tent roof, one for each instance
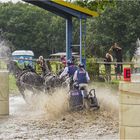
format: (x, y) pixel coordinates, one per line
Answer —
(63, 8)
(23, 52)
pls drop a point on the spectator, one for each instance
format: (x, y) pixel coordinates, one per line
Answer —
(38, 67)
(118, 55)
(63, 60)
(43, 64)
(108, 59)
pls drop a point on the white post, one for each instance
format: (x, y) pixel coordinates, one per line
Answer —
(4, 93)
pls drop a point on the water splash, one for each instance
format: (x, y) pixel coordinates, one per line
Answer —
(4, 49)
(50, 105)
(56, 104)
(5, 54)
(108, 97)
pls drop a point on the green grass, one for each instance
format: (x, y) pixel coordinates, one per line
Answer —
(3, 65)
(114, 81)
(12, 84)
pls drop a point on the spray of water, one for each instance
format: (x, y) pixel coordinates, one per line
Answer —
(56, 104)
(108, 97)
(4, 49)
(5, 54)
(53, 105)
(78, 124)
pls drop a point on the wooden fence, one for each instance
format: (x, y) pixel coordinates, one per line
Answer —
(102, 72)
(100, 66)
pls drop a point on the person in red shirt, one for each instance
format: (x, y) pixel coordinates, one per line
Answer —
(63, 60)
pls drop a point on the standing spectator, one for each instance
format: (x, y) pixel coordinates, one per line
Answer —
(38, 67)
(108, 59)
(118, 55)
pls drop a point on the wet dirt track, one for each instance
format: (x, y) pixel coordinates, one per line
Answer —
(30, 122)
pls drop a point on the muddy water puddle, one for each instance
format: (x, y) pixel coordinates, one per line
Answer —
(52, 120)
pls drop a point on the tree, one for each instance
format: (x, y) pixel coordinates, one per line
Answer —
(32, 28)
(116, 24)
(96, 5)
(29, 27)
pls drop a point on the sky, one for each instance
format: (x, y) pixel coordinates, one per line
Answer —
(10, 0)
(20, 0)
(14, 1)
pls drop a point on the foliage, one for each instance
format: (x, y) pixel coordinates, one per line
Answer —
(95, 5)
(116, 82)
(29, 27)
(118, 24)
(92, 67)
(12, 83)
